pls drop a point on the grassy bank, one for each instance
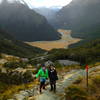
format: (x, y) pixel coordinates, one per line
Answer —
(78, 90)
(7, 91)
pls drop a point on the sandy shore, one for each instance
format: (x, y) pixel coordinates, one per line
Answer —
(64, 42)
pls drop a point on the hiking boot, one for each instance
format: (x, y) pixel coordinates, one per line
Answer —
(40, 91)
(54, 91)
(44, 88)
(51, 90)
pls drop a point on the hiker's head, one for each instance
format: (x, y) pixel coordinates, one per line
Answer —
(43, 67)
(52, 67)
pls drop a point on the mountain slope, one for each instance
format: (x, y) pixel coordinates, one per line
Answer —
(49, 13)
(24, 23)
(81, 16)
(11, 46)
(85, 54)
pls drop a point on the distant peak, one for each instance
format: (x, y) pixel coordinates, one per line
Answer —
(4, 1)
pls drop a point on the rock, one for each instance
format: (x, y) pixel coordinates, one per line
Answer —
(31, 98)
(30, 92)
(3, 70)
(67, 62)
(48, 63)
(24, 93)
(19, 97)
(2, 61)
(24, 59)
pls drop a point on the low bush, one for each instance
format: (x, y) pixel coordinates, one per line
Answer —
(75, 92)
(96, 80)
(14, 64)
(78, 80)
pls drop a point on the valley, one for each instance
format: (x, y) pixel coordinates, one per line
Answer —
(64, 42)
(36, 37)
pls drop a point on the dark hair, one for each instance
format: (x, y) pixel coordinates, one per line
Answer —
(43, 65)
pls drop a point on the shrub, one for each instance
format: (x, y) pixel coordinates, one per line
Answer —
(14, 64)
(27, 77)
(96, 80)
(0, 55)
(58, 65)
(79, 80)
(75, 92)
(3, 87)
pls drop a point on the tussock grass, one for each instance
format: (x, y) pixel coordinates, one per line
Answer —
(8, 91)
(75, 92)
(78, 90)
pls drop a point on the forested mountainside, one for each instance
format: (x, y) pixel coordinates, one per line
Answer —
(25, 24)
(85, 54)
(82, 17)
(11, 46)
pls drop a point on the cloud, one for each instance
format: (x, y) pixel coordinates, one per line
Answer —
(45, 3)
(49, 3)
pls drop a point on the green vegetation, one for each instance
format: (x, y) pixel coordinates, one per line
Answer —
(16, 77)
(78, 90)
(86, 54)
(82, 17)
(75, 92)
(9, 45)
(24, 23)
(96, 80)
(7, 91)
(86, 37)
(14, 64)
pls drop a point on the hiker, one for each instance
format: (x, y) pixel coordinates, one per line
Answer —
(43, 76)
(53, 77)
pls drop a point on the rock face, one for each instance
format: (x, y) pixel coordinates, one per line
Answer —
(25, 24)
(49, 13)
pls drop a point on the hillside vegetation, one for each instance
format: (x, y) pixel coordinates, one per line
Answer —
(78, 90)
(82, 17)
(11, 46)
(15, 75)
(86, 54)
(24, 23)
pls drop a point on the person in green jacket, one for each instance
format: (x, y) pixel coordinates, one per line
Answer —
(43, 75)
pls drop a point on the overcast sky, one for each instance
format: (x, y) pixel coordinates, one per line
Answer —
(47, 3)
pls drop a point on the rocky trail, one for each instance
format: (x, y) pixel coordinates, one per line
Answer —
(62, 83)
